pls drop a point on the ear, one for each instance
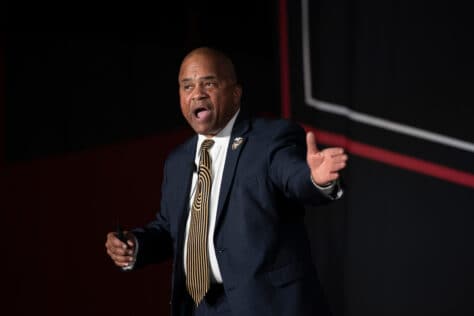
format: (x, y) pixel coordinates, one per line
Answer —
(237, 93)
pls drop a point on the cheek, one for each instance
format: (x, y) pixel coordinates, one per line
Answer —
(184, 105)
(218, 102)
(185, 112)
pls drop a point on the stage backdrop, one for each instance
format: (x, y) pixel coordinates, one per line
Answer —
(89, 118)
(392, 83)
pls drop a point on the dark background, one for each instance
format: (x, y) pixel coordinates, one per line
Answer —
(88, 118)
(400, 243)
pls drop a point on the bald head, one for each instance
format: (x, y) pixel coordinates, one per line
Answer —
(208, 90)
(224, 65)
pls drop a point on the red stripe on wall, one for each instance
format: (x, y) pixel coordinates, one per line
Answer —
(284, 61)
(2, 100)
(394, 159)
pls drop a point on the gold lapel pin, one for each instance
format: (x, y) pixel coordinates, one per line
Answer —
(237, 142)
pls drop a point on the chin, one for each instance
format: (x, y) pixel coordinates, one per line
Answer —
(204, 130)
(201, 131)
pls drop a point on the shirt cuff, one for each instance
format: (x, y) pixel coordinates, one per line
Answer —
(327, 189)
(332, 190)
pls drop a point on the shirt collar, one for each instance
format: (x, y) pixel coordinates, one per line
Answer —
(223, 135)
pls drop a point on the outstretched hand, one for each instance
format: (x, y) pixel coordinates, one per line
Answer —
(324, 164)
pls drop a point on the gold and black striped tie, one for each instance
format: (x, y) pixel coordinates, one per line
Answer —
(197, 262)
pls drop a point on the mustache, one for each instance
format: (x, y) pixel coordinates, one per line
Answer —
(201, 106)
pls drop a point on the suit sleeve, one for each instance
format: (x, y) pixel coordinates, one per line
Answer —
(288, 168)
(154, 239)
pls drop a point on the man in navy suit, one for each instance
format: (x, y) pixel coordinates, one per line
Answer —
(263, 173)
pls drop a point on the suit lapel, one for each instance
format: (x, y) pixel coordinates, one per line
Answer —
(240, 129)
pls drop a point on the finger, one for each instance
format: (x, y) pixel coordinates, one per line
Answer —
(333, 151)
(121, 251)
(115, 242)
(112, 240)
(338, 166)
(130, 239)
(311, 144)
(119, 258)
(339, 158)
(122, 263)
(114, 248)
(122, 259)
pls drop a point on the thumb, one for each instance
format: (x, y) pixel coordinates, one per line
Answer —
(311, 144)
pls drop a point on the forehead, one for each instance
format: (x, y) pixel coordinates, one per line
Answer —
(196, 66)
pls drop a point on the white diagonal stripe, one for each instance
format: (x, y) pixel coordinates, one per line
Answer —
(359, 116)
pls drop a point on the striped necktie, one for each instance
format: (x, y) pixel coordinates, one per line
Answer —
(197, 262)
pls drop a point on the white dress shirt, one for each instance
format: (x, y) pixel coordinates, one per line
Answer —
(218, 153)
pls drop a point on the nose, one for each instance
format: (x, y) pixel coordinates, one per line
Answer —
(199, 92)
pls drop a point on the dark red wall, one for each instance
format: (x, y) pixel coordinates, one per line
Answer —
(56, 212)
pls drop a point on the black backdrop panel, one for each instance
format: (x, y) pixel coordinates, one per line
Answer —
(72, 90)
(67, 91)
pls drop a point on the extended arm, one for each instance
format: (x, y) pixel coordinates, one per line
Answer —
(300, 170)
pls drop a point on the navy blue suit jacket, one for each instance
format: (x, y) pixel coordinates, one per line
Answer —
(260, 238)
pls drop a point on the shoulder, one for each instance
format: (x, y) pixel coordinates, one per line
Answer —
(181, 155)
(272, 129)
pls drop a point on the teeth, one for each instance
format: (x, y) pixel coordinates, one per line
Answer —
(199, 110)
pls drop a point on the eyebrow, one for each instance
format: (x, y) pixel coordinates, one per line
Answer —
(200, 78)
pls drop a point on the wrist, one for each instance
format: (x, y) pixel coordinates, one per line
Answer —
(325, 185)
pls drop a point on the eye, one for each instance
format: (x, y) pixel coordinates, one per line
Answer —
(210, 84)
(187, 87)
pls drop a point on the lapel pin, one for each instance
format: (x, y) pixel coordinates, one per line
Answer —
(237, 142)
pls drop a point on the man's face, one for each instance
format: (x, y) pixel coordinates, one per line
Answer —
(208, 95)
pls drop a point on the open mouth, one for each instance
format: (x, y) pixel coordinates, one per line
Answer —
(201, 112)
